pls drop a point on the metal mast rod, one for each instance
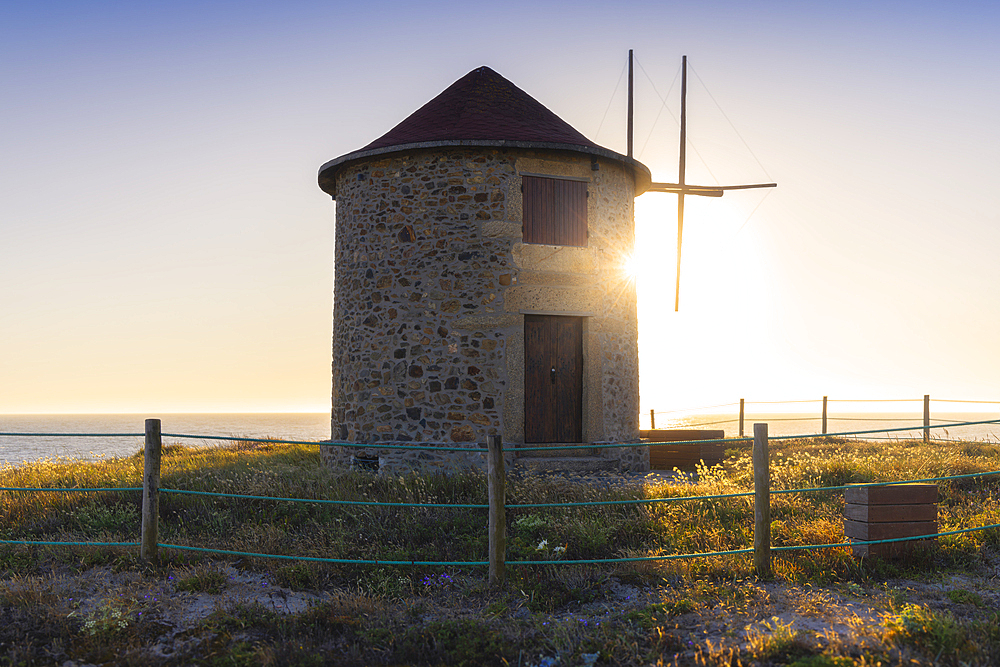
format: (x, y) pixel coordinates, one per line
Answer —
(680, 178)
(629, 131)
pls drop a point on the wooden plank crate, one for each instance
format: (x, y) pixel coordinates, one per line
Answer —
(670, 456)
(887, 512)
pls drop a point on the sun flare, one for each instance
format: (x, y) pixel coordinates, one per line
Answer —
(724, 282)
(631, 267)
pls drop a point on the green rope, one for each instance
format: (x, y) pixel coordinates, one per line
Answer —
(76, 435)
(594, 561)
(744, 494)
(239, 438)
(343, 561)
(886, 541)
(637, 501)
(72, 544)
(587, 561)
(883, 430)
(57, 489)
(373, 503)
(478, 449)
(350, 561)
(906, 481)
(592, 503)
(320, 501)
(780, 437)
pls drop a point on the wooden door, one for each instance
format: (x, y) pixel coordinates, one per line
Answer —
(553, 378)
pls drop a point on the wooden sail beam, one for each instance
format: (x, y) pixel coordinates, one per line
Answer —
(671, 188)
(704, 190)
(681, 176)
(628, 132)
(744, 187)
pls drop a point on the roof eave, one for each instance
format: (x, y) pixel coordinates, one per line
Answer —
(328, 172)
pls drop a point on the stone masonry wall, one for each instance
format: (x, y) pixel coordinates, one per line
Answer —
(431, 283)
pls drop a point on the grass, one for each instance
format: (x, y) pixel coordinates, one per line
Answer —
(642, 613)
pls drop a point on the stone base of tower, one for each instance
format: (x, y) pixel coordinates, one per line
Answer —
(387, 461)
(630, 459)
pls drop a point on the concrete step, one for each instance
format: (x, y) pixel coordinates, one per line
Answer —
(565, 464)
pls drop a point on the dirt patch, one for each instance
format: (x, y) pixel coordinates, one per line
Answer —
(685, 621)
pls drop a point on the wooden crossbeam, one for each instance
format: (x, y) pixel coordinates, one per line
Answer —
(676, 188)
(704, 190)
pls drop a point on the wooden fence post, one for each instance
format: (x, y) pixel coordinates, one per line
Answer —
(824, 415)
(761, 503)
(927, 417)
(151, 492)
(652, 420)
(497, 480)
(741, 417)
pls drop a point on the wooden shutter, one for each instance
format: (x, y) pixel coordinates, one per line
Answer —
(554, 211)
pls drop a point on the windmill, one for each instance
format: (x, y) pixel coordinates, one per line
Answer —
(681, 188)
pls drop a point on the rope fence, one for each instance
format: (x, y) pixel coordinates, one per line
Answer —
(497, 506)
(321, 501)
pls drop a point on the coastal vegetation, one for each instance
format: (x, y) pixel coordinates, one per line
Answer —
(102, 605)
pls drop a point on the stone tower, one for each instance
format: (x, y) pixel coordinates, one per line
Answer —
(479, 283)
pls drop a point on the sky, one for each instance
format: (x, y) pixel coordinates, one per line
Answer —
(164, 246)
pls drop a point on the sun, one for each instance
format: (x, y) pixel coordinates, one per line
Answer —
(631, 267)
(694, 356)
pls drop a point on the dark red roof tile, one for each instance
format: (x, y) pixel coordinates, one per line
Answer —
(482, 105)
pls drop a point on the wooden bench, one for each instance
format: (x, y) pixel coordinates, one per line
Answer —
(887, 512)
(670, 456)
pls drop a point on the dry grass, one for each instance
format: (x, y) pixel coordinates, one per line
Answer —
(825, 608)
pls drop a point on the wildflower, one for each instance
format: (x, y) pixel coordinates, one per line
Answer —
(559, 550)
(542, 545)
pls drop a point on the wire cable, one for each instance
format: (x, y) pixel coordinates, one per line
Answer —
(706, 407)
(691, 143)
(663, 105)
(719, 107)
(624, 68)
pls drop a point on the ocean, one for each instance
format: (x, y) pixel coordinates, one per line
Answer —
(316, 426)
(18, 449)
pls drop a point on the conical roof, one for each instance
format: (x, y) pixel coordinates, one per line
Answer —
(480, 109)
(482, 105)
